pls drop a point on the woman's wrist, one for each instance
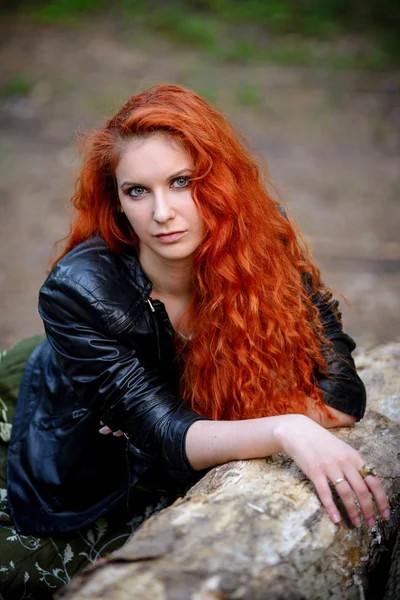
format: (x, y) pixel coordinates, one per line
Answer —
(288, 428)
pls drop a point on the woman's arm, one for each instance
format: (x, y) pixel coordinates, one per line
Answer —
(336, 418)
(321, 456)
(222, 441)
(115, 377)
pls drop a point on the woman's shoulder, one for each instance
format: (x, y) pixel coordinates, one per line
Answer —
(88, 257)
(92, 270)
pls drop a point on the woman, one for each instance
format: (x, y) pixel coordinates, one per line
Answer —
(185, 317)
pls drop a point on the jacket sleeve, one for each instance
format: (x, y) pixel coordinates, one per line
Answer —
(342, 388)
(122, 384)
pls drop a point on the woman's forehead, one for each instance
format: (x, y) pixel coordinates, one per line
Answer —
(155, 153)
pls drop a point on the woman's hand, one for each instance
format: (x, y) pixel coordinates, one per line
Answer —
(324, 458)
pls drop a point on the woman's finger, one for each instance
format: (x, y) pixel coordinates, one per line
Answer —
(345, 492)
(105, 430)
(367, 489)
(362, 495)
(376, 488)
(325, 495)
(118, 433)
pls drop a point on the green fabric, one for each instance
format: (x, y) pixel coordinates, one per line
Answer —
(12, 365)
(32, 567)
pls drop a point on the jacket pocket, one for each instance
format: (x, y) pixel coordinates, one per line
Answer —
(132, 449)
(63, 420)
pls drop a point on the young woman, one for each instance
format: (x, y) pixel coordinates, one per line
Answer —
(186, 318)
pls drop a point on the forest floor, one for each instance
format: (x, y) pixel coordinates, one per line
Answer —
(331, 139)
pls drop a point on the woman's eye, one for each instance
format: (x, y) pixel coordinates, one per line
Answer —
(136, 191)
(181, 182)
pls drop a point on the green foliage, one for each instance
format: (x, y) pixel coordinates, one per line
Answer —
(249, 95)
(240, 51)
(199, 31)
(60, 10)
(19, 85)
(275, 13)
(308, 16)
(291, 53)
(132, 9)
(209, 93)
(240, 30)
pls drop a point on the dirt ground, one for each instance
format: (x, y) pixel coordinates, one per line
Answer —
(331, 140)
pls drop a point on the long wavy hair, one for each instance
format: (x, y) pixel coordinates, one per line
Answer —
(256, 343)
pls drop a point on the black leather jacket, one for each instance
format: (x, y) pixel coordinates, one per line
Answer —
(109, 356)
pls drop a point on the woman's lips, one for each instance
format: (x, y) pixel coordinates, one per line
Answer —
(167, 238)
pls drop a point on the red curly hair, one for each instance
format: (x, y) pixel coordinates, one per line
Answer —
(257, 337)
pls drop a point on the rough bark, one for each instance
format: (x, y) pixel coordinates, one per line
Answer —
(255, 529)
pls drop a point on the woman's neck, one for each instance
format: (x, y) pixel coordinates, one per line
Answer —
(170, 279)
(172, 285)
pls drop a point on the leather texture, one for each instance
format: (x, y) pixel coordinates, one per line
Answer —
(109, 356)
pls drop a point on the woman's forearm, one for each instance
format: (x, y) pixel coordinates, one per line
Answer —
(210, 443)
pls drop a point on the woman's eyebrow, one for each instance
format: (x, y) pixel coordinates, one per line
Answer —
(131, 183)
(180, 172)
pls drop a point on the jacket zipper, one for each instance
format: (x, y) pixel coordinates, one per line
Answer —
(153, 310)
(151, 306)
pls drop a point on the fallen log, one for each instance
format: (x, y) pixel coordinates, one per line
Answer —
(251, 530)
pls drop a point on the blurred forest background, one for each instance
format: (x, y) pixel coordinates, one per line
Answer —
(314, 85)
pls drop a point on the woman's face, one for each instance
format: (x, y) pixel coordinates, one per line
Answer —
(152, 178)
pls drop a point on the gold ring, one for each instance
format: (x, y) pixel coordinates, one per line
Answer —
(367, 470)
(337, 481)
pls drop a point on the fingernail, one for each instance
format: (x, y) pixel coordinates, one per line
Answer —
(371, 522)
(335, 518)
(356, 522)
(105, 429)
(386, 513)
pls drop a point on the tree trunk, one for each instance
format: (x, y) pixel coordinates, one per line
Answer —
(251, 530)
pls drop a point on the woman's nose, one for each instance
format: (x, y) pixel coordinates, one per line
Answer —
(163, 210)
